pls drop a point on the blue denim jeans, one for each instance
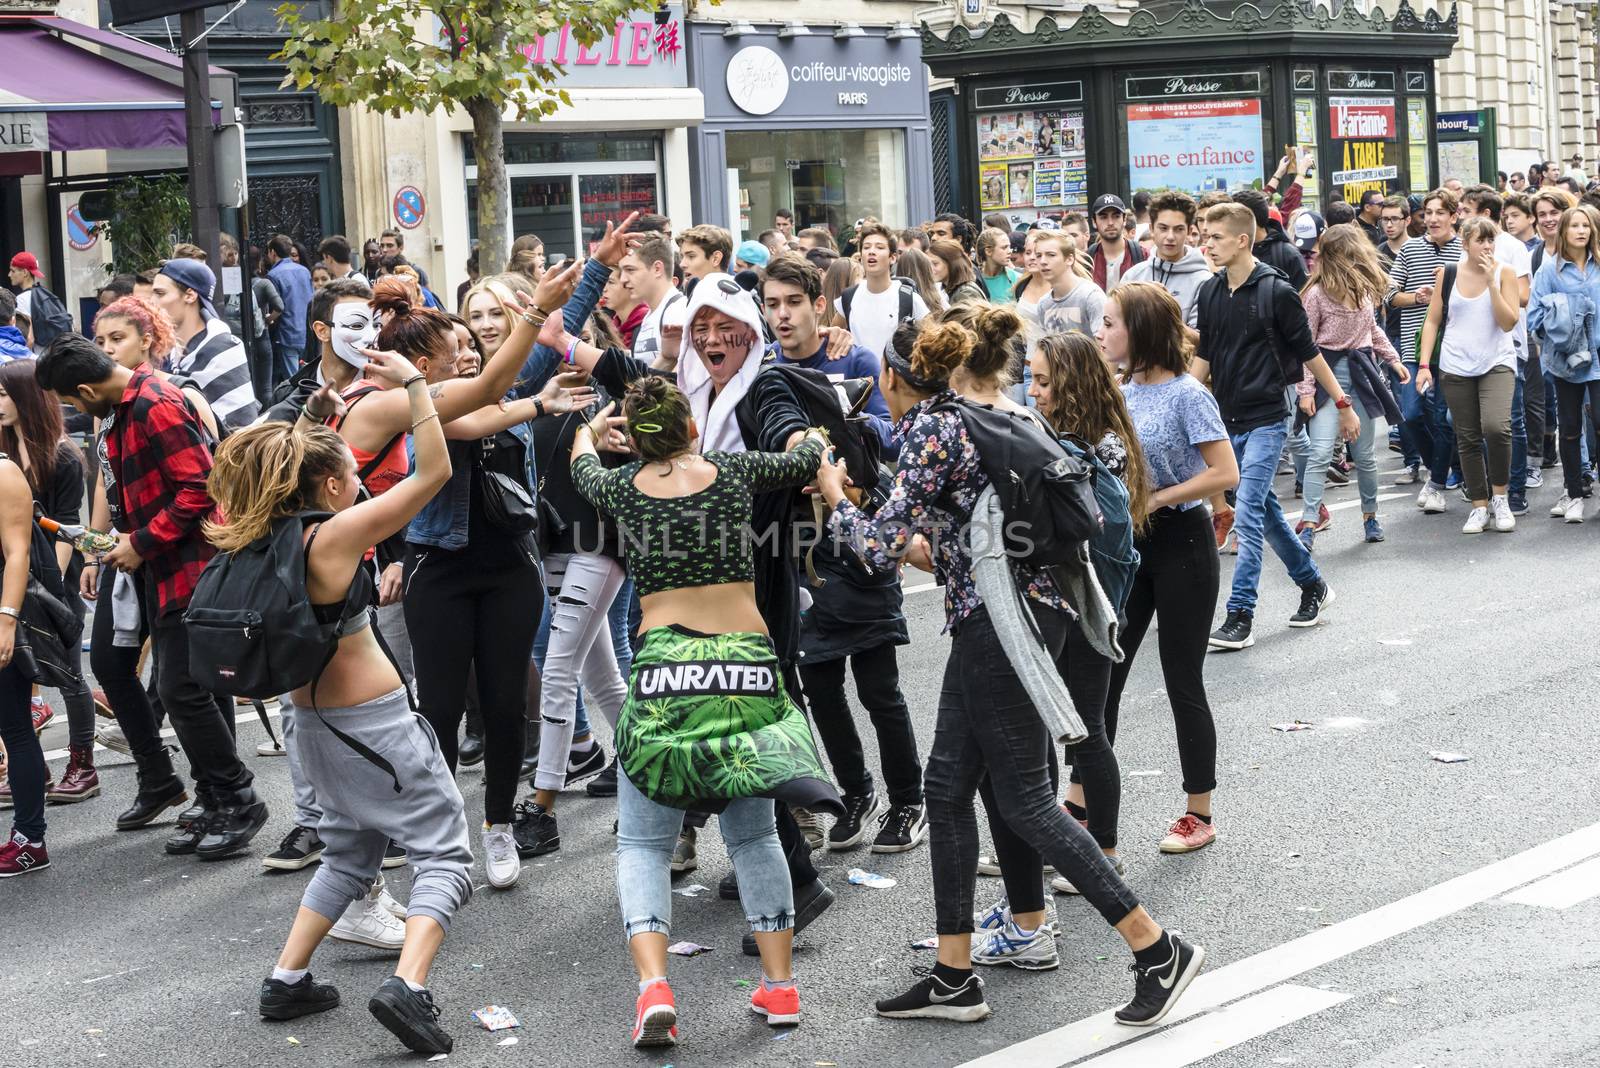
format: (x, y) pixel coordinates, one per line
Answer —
(1324, 433)
(1519, 443)
(646, 834)
(1258, 517)
(1409, 453)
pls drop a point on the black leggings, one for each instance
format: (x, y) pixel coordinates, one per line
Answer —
(1570, 398)
(1177, 583)
(460, 614)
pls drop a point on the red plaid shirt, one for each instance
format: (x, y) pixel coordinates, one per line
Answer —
(159, 459)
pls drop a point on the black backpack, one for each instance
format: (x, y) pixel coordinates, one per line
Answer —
(48, 316)
(1046, 495)
(849, 430)
(252, 631)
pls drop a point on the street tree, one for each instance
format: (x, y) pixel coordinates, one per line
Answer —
(410, 56)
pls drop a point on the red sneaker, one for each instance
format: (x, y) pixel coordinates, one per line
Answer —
(1222, 526)
(1188, 834)
(781, 1007)
(42, 714)
(20, 856)
(657, 1022)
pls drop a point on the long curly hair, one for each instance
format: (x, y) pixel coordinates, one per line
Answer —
(1086, 402)
(1347, 268)
(148, 319)
(267, 472)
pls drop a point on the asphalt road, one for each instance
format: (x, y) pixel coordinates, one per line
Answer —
(1360, 907)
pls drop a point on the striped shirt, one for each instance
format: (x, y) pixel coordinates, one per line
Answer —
(215, 359)
(1414, 268)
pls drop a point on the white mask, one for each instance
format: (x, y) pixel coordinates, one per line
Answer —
(354, 328)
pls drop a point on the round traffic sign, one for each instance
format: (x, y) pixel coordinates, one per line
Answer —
(80, 233)
(409, 207)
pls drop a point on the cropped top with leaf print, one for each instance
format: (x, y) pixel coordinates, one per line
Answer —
(702, 538)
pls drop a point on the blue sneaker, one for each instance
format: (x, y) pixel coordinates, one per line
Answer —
(1535, 478)
(1372, 530)
(1518, 502)
(1454, 481)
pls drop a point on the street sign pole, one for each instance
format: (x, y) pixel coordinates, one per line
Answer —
(199, 125)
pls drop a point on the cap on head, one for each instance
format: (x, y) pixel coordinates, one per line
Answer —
(192, 274)
(27, 261)
(752, 252)
(1108, 202)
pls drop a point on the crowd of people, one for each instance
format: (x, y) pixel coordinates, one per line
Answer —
(676, 484)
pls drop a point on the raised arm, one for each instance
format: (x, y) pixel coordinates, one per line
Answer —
(562, 394)
(345, 539)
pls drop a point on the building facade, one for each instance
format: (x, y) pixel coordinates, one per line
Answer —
(1049, 113)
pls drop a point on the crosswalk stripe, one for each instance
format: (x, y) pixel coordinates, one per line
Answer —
(1563, 889)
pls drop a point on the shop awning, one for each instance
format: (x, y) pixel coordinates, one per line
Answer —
(58, 97)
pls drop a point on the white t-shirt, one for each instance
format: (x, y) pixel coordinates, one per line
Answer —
(874, 316)
(25, 303)
(1514, 254)
(673, 310)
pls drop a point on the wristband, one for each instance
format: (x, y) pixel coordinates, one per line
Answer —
(14, 613)
(419, 377)
(538, 408)
(572, 351)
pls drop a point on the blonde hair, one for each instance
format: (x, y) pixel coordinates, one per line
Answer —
(1347, 268)
(1069, 250)
(1564, 249)
(267, 472)
(1236, 218)
(500, 287)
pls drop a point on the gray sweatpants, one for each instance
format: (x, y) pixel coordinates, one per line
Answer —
(392, 623)
(362, 811)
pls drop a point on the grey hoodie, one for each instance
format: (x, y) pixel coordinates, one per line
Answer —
(1181, 279)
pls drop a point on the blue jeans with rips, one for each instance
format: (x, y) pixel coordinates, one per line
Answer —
(1258, 517)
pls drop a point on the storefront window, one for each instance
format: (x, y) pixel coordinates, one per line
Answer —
(829, 178)
(564, 188)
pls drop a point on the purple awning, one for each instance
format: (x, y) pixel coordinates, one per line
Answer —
(57, 97)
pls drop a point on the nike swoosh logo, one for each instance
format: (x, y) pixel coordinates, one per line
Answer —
(939, 999)
(1172, 973)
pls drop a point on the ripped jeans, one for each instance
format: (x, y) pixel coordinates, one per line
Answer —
(646, 833)
(582, 587)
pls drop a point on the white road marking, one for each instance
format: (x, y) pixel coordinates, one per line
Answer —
(1100, 1032)
(1356, 502)
(923, 588)
(1562, 890)
(1214, 1032)
(113, 975)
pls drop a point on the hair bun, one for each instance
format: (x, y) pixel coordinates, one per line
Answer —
(940, 350)
(391, 297)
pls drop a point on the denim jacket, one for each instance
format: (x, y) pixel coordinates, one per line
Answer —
(443, 520)
(1562, 306)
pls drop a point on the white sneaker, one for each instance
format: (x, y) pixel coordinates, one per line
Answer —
(1574, 512)
(110, 735)
(1500, 509)
(500, 859)
(367, 923)
(1061, 885)
(271, 747)
(380, 896)
(1477, 520)
(1430, 500)
(810, 825)
(1559, 509)
(989, 864)
(1033, 951)
(1535, 477)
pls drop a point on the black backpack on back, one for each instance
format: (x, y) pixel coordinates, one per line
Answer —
(48, 316)
(1046, 495)
(252, 631)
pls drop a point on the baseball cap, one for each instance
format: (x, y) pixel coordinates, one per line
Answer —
(1308, 226)
(752, 252)
(28, 262)
(1046, 223)
(192, 274)
(1019, 240)
(1108, 202)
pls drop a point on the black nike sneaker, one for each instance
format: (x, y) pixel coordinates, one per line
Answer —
(290, 1001)
(1158, 987)
(411, 1016)
(931, 999)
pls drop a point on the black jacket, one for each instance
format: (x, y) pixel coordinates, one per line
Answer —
(1252, 363)
(290, 396)
(855, 608)
(1278, 251)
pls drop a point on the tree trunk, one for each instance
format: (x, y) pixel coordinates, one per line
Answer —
(494, 188)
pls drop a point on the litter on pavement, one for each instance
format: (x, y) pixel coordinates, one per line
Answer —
(931, 942)
(688, 949)
(1449, 758)
(861, 877)
(1297, 725)
(692, 890)
(495, 1018)
(1144, 774)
